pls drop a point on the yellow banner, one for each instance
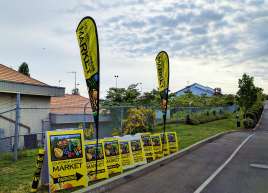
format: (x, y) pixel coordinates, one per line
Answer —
(172, 142)
(87, 37)
(162, 65)
(137, 151)
(126, 157)
(157, 146)
(86, 33)
(147, 146)
(165, 145)
(113, 156)
(91, 156)
(37, 173)
(66, 159)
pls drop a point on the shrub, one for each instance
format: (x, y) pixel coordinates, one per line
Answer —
(252, 115)
(248, 123)
(187, 119)
(139, 120)
(199, 118)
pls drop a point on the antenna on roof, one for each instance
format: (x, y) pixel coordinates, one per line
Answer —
(59, 82)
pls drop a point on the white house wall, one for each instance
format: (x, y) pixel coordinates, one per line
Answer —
(30, 117)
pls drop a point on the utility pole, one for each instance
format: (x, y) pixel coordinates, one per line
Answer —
(74, 72)
(75, 90)
(16, 141)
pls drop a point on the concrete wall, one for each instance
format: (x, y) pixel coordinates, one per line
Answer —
(29, 117)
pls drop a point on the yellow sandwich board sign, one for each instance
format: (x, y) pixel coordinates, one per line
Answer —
(137, 150)
(157, 146)
(172, 142)
(125, 151)
(165, 146)
(91, 155)
(66, 159)
(147, 146)
(113, 157)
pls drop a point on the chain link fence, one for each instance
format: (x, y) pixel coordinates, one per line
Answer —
(34, 121)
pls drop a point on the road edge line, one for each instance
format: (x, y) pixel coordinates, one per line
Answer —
(212, 176)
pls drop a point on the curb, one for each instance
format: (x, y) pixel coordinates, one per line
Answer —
(116, 181)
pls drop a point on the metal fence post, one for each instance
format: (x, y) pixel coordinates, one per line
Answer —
(121, 119)
(16, 141)
(84, 116)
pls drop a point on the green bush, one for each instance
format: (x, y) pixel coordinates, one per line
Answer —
(252, 115)
(248, 123)
(200, 118)
(139, 120)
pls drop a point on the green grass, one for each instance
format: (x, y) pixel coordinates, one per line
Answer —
(190, 134)
(16, 177)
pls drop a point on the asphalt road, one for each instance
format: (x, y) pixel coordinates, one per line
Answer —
(188, 173)
(239, 176)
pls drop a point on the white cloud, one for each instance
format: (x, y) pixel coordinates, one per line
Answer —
(211, 42)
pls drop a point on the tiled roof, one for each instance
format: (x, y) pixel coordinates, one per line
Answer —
(69, 104)
(8, 74)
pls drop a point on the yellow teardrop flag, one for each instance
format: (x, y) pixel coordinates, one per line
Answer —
(162, 64)
(89, 50)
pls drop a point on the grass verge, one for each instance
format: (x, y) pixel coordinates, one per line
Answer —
(16, 177)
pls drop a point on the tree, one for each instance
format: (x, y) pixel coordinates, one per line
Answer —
(75, 91)
(24, 69)
(247, 93)
(132, 93)
(115, 95)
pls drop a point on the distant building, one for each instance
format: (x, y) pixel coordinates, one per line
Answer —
(35, 104)
(71, 111)
(196, 89)
(217, 91)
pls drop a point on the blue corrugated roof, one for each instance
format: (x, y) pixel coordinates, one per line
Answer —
(206, 88)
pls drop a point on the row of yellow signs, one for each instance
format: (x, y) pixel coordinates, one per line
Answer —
(72, 161)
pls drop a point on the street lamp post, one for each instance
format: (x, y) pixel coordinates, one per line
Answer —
(59, 82)
(75, 91)
(116, 77)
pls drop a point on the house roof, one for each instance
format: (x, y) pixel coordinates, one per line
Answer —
(69, 104)
(11, 75)
(12, 81)
(199, 86)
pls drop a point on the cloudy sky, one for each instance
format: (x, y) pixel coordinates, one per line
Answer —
(209, 42)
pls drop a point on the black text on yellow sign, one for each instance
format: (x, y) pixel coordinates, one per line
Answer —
(125, 151)
(157, 145)
(137, 152)
(93, 154)
(113, 156)
(148, 147)
(172, 142)
(66, 159)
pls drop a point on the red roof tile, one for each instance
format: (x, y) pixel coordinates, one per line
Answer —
(69, 104)
(8, 74)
